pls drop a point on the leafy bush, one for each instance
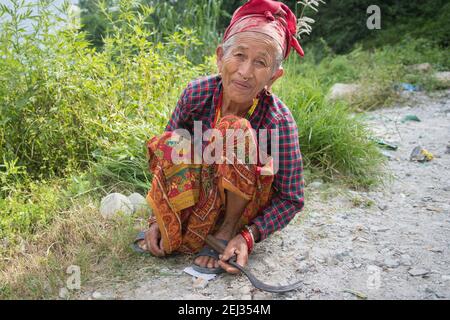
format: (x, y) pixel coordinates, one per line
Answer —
(163, 18)
(63, 103)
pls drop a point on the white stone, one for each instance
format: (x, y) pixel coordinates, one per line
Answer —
(421, 67)
(139, 202)
(199, 283)
(315, 184)
(97, 295)
(63, 293)
(443, 77)
(406, 260)
(416, 272)
(342, 91)
(391, 263)
(114, 203)
(437, 249)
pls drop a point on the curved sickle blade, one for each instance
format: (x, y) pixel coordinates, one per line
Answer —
(263, 286)
(220, 247)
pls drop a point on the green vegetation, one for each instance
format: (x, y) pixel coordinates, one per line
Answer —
(343, 23)
(76, 110)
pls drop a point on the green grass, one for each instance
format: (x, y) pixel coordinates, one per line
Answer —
(76, 236)
(333, 141)
(378, 71)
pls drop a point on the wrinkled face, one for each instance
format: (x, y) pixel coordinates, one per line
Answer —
(248, 66)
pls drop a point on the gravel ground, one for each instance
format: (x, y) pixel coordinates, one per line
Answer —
(390, 243)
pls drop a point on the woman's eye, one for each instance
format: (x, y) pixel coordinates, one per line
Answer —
(260, 63)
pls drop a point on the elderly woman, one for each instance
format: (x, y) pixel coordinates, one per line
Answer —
(239, 202)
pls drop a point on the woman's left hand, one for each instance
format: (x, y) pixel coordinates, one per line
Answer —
(237, 246)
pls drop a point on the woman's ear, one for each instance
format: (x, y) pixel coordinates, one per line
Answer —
(219, 57)
(278, 74)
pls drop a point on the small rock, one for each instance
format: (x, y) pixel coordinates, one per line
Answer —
(427, 199)
(262, 296)
(115, 203)
(246, 297)
(340, 255)
(391, 263)
(436, 294)
(342, 91)
(387, 154)
(421, 67)
(447, 188)
(303, 267)
(270, 263)
(301, 257)
(445, 277)
(428, 290)
(332, 261)
(199, 283)
(379, 229)
(443, 77)
(139, 202)
(418, 272)
(360, 239)
(63, 293)
(437, 249)
(97, 295)
(316, 184)
(406, 260)
(316, 290)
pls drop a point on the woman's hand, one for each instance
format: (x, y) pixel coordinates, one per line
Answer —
(237, 246)
(153, 241)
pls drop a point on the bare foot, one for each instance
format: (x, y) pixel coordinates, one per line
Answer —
(210, 262)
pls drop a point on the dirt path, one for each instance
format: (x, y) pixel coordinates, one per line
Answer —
(392, 243)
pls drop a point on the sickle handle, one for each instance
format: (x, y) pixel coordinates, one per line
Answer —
(215, 244)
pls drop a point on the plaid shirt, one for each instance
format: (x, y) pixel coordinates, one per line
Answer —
(198, 103)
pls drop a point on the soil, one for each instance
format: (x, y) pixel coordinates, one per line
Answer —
(392, 242)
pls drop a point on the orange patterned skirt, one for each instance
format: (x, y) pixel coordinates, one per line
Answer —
(188, 199)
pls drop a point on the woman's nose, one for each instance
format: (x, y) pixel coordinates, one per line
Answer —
(245, 70)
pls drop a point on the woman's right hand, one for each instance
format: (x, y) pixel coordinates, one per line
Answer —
(153, 241)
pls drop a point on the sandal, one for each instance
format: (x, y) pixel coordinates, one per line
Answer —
(135, 246)
(209, 252)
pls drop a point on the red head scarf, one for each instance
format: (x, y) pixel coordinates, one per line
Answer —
(272, 18)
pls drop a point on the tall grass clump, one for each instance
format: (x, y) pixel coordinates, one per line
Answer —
(333, 140)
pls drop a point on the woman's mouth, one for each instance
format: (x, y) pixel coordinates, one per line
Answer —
(241, 85)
